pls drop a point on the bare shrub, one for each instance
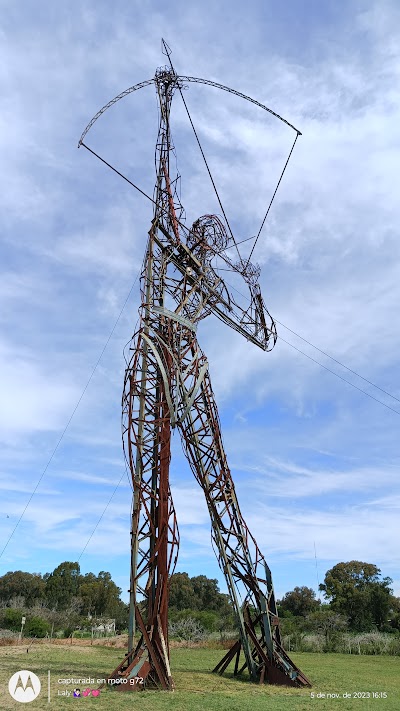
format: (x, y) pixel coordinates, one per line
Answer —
(8, 637)
(187, 630)
(313, 643)
(369, 643)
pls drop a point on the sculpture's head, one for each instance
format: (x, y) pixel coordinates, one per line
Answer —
(207, 238)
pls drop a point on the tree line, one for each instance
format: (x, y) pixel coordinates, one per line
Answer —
(61, 600)
(356, 595)
(356, 598)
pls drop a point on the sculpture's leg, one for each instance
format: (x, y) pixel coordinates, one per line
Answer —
(147, 434)
(244, 567)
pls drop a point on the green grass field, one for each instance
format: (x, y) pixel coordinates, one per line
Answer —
(197, 689)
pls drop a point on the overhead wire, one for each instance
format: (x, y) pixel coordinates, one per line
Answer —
(385, 392)
(70, 419)
(127, 472)
(332, 358)
(101, 517)
(341, 378)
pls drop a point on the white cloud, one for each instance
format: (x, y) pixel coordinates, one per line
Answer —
(88, 478)
(353, 533)
(32, 400)
(73, 239)
(190, 505)
(286, 479)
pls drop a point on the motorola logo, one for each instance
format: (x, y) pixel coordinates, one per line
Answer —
(24, 686)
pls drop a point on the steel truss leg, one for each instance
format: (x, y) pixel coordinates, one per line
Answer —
(238, 555)
(155, 542)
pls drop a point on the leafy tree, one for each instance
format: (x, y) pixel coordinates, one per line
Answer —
(88, 591)
(181, 593)
(62, 585)
(197, 593)
(290, 625)
(99, 595)
(17, 584)
(121, 615)
(227, 622)
(59, 599)
(380, 604)
(36, 627)
(57, 619)
(299, 602)
(207, 590)
(207, 620)
(355, 590)
(108, 595)
(330, 623)
(12, 619)
(394, 613)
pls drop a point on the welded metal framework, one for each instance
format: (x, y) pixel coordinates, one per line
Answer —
(168, 385)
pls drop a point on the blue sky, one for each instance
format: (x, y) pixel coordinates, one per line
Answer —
(314, 461)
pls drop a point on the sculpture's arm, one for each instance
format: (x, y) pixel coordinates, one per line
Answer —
(253, 321)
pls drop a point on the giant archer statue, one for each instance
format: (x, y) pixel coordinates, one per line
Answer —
(168, 385)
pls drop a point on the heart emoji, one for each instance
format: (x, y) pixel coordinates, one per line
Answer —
(86, 692)
(95, 692)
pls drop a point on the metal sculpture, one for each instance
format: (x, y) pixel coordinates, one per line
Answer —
(167, 385)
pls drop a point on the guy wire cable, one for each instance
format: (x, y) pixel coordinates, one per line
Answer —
(70, 419)
(332, 358)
